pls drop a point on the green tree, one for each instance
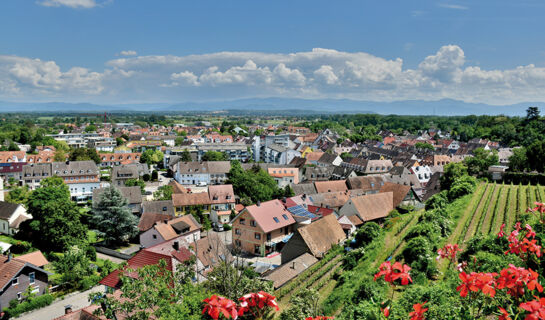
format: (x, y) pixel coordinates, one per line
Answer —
(155, 293)
(163, 193)
(254, 184)
(185, 156)
(234, 282)
(451, 172)
(303, 304)
(532, 113)
(91, 128)
(18, 195)
(56, 221)
(151, 157)
(83, 154)
(424, 145)
(481, 160)
(60, 155)
(214, 156)
(112, 217)
(179, 141)
(73, 266)
(535, 154)
(136, 182)
(519, 160)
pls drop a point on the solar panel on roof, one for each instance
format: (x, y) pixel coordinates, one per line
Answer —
(301, 212)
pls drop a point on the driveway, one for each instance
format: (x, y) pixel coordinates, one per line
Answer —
(77, 300)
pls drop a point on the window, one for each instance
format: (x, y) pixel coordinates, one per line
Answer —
(164, 208)
(238, 243)
(15, 281)
(285, 217)
(19, 295)
(252, 223)
(237, 231)
(31, 277)
(269, 236)
(257, 236)
(154, 236)
(276, 220)
(242, 221)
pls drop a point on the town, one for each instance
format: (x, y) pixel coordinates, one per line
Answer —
(235, 205)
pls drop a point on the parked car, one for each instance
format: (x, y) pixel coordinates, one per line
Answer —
(202, 184)
(218, 227)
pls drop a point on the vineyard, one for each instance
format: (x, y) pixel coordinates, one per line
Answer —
(480, 213)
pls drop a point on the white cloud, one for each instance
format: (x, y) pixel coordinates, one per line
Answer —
(78, 4)
(453, 6)
(128, 53)
(320, 73)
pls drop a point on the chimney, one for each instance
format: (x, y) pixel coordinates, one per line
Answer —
(67, 309)
(258, 203)
(284, 199)
(293, 265)
(176, 245)
(9, 257)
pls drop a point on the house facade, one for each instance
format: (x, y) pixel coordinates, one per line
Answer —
(11, 217)
(261, 228)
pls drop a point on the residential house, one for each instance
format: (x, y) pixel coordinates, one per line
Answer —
(284, 176)
(122, 173)
(16, 278)
(82, 177)
(313, 157)
(286, 272)
(183, 202)
(316, 238)
(132, 194)
(11, 217)
(185, 226)
(210, 252)
(163, 207)
(330, 200)
(116, 159)
(1, 189)
(330, 186)
(304, 188)
(33, 174)
(423, 173)
(235, 151)
(369, 207)
(318, 173)
(206, 172)
(222, 201)
(328, 159)
(262, 228)
(402, 195)
(378, 166)
(437, 160)
(504, 154)
(348, 226)
(368, 184)
(149, 219)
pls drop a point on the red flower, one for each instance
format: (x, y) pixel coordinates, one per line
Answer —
(394, 272)
(255, 302)
(418, 313)
(484, 282)
(515, 279)
(540, 207)
(504, 314)
(386, 312)
(535, 307)
(449, 251)
(216, 305)
(501, 233)
(468, 284)
(319, 318)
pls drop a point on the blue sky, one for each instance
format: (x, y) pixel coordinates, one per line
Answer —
(115, 51)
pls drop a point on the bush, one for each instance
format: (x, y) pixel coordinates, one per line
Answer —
(367, 233)
(154, 175)
(89, 282)
(437, 201)
(420, 256)
(351, 259)
(91, 253)
(428, 230)
(146, 177)
(461, 187)
(227, 227)
(31, 303)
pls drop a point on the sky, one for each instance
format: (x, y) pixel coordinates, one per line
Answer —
(146, 51)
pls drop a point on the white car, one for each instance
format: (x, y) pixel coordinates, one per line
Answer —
(201, 184)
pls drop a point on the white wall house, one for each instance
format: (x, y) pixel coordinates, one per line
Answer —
(423, 173)
(11, 216)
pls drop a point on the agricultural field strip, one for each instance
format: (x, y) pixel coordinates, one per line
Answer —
(486, 217)
(499, 216)
(509, 207)
(468, 213)
(472, 224)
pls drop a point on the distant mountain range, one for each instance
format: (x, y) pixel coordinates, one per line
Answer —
(287, 106)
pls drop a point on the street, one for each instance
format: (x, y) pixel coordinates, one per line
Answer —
(56, 309)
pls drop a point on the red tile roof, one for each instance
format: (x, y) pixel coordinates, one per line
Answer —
(268, 213)
(330, 186)
(36, 258)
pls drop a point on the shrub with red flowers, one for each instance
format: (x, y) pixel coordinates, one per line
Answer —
(523, 244)
(418, 313)
(319, 318)
(392, 273)
(449, 251)
(256, 305)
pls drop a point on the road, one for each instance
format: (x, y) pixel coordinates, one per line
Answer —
(56, 309)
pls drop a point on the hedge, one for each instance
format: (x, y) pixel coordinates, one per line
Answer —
(29, 305)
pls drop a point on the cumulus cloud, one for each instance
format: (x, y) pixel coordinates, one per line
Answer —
(81, 4)
(128, 53)
(319, 73)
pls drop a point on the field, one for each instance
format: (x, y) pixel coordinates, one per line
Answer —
(482, 212)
